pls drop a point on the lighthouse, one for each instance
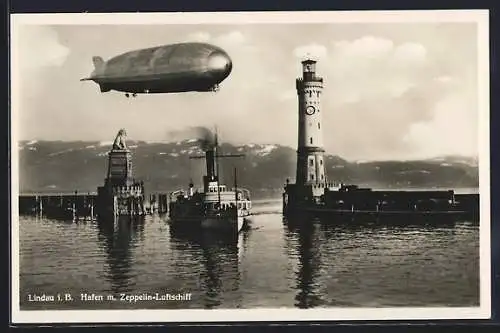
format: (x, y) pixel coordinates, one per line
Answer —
(310, 162)
(311, 184)
(313, 194)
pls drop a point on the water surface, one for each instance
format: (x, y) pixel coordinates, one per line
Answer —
(271, 265)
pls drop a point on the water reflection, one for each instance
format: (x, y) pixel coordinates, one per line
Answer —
(307, 235)
(219, 274)
(349, 220)
(118, 238)
(243, 242)
(332, 256)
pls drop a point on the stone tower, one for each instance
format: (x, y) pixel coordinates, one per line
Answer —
(121, 194)
(120, 163)
(310, 163)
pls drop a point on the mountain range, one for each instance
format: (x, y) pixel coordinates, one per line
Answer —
(61, 166)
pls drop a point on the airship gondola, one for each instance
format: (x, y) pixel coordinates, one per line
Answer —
(173, 68)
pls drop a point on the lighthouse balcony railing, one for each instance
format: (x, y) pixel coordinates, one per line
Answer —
(326, 185)
(308, 78)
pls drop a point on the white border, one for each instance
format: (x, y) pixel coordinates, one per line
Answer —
(481, 17)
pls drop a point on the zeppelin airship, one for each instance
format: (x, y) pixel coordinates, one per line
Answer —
(173, 68)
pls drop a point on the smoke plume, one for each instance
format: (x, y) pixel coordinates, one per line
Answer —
(205, 137)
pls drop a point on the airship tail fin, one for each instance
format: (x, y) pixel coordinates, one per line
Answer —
(98, 63)
(104, 88)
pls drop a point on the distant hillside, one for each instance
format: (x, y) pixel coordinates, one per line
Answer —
(56, 166)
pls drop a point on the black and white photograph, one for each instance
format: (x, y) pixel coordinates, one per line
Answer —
(258, 166)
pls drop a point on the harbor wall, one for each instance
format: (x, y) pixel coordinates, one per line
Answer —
(401, 205)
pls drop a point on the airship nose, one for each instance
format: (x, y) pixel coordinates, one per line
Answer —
(220, 63)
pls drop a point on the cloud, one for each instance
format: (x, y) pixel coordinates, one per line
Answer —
(370, 67)
(199, 37)
(452, 129)
(230, 39)
(313, 50)
(371, 48)
(368, 47)
(409, 53)
(39, 48)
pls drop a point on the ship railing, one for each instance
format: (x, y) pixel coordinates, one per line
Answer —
(132, 189)
(245, 194)
(175, 194)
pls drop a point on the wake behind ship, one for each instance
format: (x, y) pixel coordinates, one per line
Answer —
(214, 208)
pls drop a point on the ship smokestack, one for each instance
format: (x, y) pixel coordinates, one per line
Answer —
(208, 143)
(210, 159)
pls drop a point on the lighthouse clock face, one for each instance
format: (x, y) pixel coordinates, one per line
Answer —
(310, 110)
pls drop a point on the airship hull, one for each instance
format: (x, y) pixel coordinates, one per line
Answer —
(171, 68)
(166, 83)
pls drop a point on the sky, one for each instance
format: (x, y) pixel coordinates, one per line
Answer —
(391, 90)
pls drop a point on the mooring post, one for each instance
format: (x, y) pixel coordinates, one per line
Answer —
(151, 207)
(40, 206)
(151, 204)
(115, 206)
(74, 205)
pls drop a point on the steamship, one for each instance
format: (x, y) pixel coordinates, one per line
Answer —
(215, 207)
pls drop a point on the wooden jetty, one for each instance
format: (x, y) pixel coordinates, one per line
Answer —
(58, 205)
(74, 206)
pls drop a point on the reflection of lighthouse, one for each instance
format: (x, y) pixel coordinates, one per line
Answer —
(308, 287)
(310, 166)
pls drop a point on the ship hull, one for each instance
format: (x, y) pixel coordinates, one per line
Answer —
(223, 224)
